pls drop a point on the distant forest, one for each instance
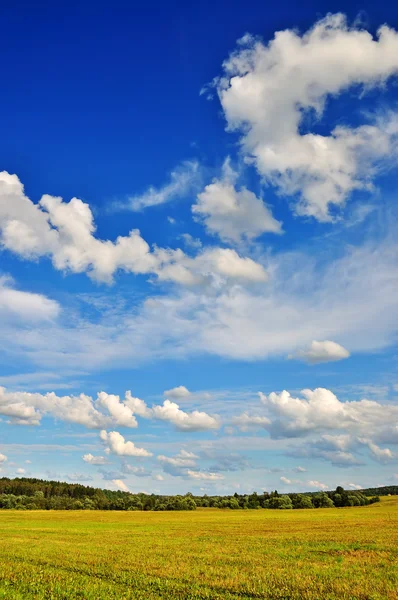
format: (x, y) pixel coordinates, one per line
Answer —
(32, 494)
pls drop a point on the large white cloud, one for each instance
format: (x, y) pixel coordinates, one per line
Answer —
(65, 232)
(116, 444)
(337, 431)
(269, 91)
(350, 295)
(28, 408)
(106, 410)
(321, 410)
(233, 214)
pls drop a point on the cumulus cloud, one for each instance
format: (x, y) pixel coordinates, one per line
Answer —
(178, 393)
(119, 411)
(233, 214)
(321, 352)
(321, 410)
(3, 458)
(120, 485)
(194, 421)
(137, 406)
(183, 181)
(107, 410)
(94, 460)
(26, 408)
(273, 93)
(65, 232)
(116, 444)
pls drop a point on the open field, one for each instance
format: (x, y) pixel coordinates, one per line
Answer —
(347, 553)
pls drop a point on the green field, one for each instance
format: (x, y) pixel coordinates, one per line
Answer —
(346, 553)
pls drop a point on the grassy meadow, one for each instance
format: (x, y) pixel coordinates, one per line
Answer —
(345, 553)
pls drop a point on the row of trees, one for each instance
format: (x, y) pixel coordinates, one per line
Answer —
(339, 498)
(30, 494)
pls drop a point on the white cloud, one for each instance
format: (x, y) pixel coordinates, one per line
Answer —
(94, 460)
(194, 421)
(137, 471)
(191, 242)
(178, 393)
(286, 481)
(204, 475)
(321, 352)
(381, 454)
(355, 486)
(300, 470)
(186, 454)
(269, 91)
(25, 305)
(183, 182)
(233, 214)
(178, 460)
(318, 485)
(321, 410)
(26, 408)
(117, 445)
(298, 304)
(137, 406)
(342, 442)
(65, 233)
(244, 421)
(121, 413)
(20, 471)
(120, 485)
(3, 458)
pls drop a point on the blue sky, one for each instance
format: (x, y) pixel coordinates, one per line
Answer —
(199, 281)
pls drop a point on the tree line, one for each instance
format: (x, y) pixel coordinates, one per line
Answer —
(30, 494)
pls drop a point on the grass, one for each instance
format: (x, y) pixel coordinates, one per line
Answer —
(347, 553)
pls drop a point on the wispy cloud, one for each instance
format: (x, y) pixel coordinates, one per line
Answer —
(184, 180)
